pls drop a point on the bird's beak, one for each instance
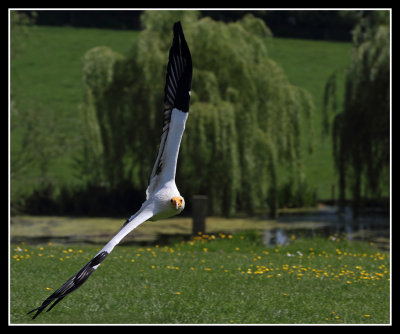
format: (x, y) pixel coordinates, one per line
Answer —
(176, 202)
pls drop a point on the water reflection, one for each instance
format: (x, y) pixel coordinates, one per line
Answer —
(327, 222)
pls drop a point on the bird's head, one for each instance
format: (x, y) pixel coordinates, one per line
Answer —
(178, 203)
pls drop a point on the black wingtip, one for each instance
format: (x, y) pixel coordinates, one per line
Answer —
(179, 72)
(39, 309)
(178, 28)
(71, 285)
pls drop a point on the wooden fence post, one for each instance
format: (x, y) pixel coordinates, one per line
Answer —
(199, 214)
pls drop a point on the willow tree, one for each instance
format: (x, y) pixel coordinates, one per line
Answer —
(244, 119)
(361, 129)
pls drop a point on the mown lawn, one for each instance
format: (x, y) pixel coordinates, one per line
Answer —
(211, 279)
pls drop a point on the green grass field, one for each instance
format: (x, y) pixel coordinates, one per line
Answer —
(214, 279)
(211, 279)
(46, 78)
(308, 64)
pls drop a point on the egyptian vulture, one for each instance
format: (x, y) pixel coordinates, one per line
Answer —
(163, 199)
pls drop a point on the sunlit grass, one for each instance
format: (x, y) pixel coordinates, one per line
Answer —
(218, 278)
(46, 78)
(308, 64)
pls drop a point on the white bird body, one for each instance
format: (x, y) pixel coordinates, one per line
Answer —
(157, 207)
(169, 162)
(163, 199)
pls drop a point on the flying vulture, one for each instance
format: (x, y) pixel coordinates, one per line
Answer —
(163, 199)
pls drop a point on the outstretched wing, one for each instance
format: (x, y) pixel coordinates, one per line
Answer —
(176, 106)
(82, 275)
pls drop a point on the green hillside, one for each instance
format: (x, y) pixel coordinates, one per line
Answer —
(46, 80)
(308, 64)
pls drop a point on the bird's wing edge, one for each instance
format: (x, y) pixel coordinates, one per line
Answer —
(73, 283)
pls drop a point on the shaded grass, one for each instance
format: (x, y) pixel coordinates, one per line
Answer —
(101, 229)
(210, 279)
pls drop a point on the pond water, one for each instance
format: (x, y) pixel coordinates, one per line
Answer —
(325, 221)
(373, 226)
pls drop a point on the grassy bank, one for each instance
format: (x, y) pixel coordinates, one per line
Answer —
(211, 279)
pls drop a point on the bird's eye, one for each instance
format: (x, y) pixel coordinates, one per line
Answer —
(172, 200)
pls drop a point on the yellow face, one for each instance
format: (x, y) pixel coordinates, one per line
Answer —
(176, 202)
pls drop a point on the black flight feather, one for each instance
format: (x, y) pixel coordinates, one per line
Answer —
(179, 74)
(72, 284)
(178, 84)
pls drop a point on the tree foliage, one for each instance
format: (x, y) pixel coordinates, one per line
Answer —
(244, 124)
(361, 129)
